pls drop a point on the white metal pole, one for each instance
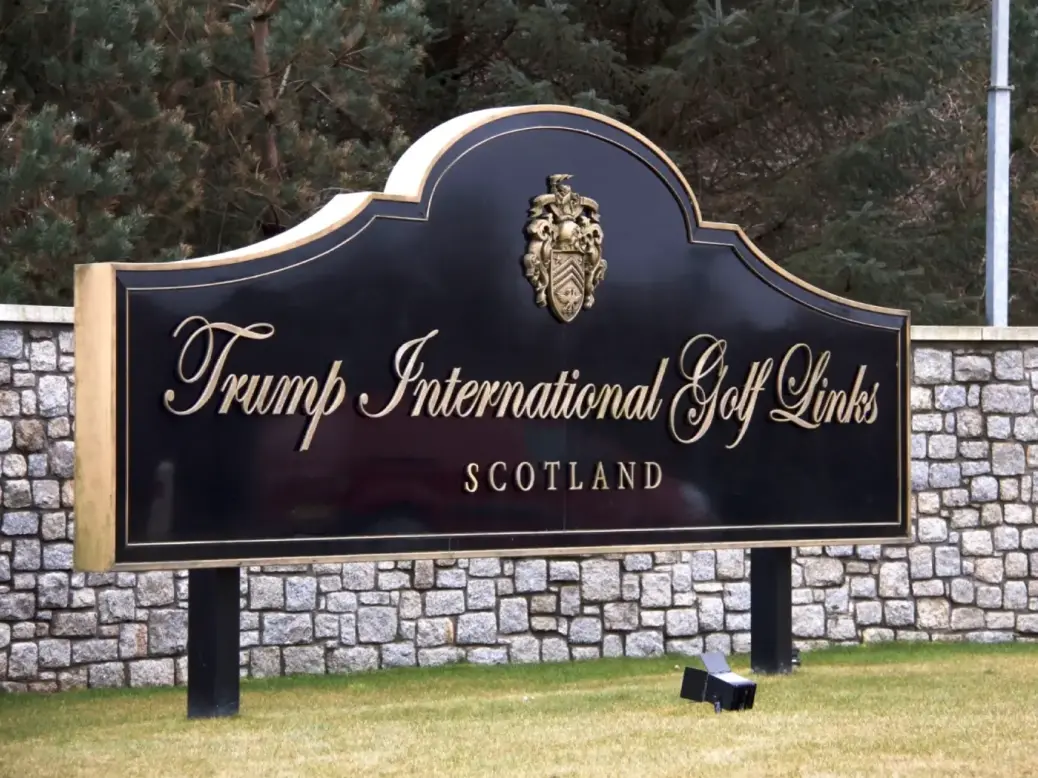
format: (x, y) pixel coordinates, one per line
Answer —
(997, 243)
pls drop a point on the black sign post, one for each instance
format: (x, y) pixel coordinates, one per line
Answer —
(213, 642)
(531, 343)
(771, 610)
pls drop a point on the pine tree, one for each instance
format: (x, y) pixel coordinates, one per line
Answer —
(301, 108)
(93, 167)
(149, 129)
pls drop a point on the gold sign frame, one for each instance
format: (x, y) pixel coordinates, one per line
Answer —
(96, 355)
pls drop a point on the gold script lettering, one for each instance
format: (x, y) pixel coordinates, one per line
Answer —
(407, 369)
(806, 399)
(706, 399)
(252, 393)
(561, 398)
(206, 366)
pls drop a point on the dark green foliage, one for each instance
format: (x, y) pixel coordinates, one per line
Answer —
(847, 138)
(147, 129)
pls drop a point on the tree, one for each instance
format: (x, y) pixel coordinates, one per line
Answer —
(148, 129)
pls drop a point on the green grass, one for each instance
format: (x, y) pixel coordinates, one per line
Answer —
(919, 709)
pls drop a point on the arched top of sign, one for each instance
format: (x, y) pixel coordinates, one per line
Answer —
(417, 174)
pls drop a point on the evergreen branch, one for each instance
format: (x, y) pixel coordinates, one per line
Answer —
(488, 53)
(321, 92)
(169, 28)
(237, 146)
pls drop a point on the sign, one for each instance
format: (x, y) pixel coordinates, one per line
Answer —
(531, 343)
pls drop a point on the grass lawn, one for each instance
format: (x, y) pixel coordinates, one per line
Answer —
(889, 710)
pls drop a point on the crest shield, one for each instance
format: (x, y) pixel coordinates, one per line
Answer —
(563, 258)
(566, 284)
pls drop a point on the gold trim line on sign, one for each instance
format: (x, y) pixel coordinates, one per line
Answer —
(368, 223)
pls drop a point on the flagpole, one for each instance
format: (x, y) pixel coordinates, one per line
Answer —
(997, 238)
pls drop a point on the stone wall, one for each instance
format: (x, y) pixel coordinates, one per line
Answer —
(972, 574)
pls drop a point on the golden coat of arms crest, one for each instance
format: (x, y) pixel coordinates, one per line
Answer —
(563, 257)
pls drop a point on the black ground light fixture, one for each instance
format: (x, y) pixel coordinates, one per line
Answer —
(717, 684)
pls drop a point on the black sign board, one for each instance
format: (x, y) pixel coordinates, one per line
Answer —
(532, 343)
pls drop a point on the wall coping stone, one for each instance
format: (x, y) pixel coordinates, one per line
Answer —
(972, 334)
(55, 314)
(35, 314)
